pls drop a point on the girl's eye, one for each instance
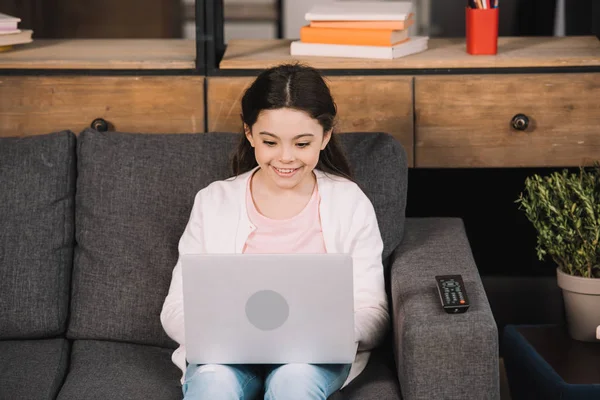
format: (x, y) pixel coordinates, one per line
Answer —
(271, 144)
(301, 145)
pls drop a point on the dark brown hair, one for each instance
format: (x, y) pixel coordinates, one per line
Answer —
(299, 87)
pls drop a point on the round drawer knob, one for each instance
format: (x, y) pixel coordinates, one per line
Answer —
(100, 125)
(520, 122)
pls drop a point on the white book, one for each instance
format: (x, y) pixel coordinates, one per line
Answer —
(16, 38)
(361, 11)
(8, 22)
(9, 32)
(416, 44)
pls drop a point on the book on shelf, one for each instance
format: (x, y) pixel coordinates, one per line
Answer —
(24, 36)
(361, 11)
(393, 25)
(359, 29)
(415, 44)
(8, 22)
(10, 34)
(360, 37)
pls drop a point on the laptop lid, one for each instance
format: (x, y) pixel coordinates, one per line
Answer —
(268, 308)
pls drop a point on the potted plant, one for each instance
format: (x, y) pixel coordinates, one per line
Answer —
(564, 208)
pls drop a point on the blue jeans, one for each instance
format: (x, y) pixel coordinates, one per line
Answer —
(285, 382)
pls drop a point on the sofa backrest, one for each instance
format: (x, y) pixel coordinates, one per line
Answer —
(380, 167)
(37, 189)
(134, 197)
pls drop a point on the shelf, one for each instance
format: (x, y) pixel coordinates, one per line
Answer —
(102, 54)
(157, 54)
(513, 52)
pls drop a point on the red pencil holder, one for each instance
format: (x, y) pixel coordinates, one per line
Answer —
(482, 31)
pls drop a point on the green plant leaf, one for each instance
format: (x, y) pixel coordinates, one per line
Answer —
(564, 209)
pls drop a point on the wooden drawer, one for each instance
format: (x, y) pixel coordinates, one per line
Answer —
(365, 104)
(33, 105)
(465, 121)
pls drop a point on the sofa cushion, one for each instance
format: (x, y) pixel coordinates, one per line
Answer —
(110, 370)
(37, 189)
(32, 369)
(134, 197)
(378, 381)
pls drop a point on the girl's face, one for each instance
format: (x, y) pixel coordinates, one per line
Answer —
(287, 143)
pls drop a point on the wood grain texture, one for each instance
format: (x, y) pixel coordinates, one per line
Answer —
(465, 121)
(365, 104)
(102, 54)
(442, 53)
(33, 105)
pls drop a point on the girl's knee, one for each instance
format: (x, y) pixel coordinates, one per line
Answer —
(212, 382)
(295, 381)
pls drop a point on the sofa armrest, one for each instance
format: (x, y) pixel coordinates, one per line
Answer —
(440, 355)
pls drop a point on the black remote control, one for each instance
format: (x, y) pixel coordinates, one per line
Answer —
(453, 295)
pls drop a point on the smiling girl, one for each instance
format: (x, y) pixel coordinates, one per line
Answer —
(291, 193)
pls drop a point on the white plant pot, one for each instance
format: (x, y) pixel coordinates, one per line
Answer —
(582, 305)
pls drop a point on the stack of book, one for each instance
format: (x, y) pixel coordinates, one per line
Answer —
(359, 29)
(10, 34)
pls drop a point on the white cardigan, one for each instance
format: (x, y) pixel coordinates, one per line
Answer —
(219, 223)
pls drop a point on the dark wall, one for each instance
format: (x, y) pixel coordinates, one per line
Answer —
(97, 18)
(502, 239)
(519, 17)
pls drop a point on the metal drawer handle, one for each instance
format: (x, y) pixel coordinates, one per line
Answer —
(100, 125)
(520, 122)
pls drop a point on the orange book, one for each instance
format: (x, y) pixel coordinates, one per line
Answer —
(358, 37)
(394, 25)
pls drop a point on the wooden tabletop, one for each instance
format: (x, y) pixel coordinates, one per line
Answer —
(442, 53)
(576, 362)
(102, 54)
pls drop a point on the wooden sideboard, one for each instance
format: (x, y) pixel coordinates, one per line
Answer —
(447, 108)
(364, 104)
(139, 85)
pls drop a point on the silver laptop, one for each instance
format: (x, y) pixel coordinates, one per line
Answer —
(268, 308)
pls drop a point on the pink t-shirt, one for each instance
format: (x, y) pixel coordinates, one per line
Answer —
(300, 234)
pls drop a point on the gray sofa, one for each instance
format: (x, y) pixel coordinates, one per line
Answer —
(89, 227)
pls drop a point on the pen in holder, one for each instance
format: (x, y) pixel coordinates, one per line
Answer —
(482, 31)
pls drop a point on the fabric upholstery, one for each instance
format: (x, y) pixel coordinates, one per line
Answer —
(441, 355)
(109, 370)
(380, 167)
(134, 196)
(32, 369)
(378, 381)
(37, 188)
